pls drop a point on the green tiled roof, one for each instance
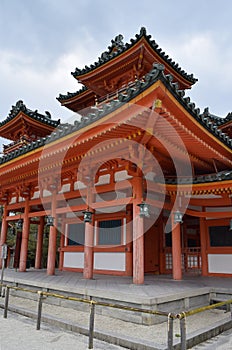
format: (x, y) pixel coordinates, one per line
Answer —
(156, 73)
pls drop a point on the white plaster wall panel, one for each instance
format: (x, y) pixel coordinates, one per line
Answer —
(65, 188)
(79, 185)
(121, 175)
(74, 259)
(13, 200)
(111, 210)
(110, 196)
(104, 179)
(76, 201)
(220, 263)
(73, 214)
(110, 261)
(36, 195)
(218, 209)
(46, 193)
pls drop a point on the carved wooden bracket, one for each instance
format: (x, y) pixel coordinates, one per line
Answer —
(51, 184)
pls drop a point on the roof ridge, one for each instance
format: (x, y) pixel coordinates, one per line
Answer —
(118, 47)
(21, 107)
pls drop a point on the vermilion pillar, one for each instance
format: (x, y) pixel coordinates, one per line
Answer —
(3, 230)
(138, 233)
(89, 239)
(204, 258)
(88, 250)
(25, 237)
(39, 245)
(51, 264)
(176, 251)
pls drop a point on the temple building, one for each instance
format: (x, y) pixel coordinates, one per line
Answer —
(139, 183)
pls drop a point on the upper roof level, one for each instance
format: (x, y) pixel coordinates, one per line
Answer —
(119, 66)
(22, 126)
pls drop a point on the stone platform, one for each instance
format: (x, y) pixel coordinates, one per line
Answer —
(159, 292)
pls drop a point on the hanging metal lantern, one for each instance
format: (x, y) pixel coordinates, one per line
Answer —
(230, 225)
(87, 216)
(178, 216)
(19, 224)
(144, 210)
(50, 221)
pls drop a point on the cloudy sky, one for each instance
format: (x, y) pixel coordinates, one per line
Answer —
(42, 41)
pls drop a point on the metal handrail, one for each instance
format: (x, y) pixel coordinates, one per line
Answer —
(181, 316)
(92, 303)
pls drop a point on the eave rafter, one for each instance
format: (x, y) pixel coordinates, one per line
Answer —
(218, 155)
(150, 135)
(59, 162)
(182, 151)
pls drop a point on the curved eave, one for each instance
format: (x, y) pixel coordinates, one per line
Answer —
(163, 58)
(92, 122)
(185, 105)
(13, 124)
(71, 96)
(79, 100)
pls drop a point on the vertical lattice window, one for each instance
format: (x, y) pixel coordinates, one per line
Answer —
(110, 232)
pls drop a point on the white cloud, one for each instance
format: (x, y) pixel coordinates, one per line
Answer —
(211, 62)
(38, 81)
(39, 86)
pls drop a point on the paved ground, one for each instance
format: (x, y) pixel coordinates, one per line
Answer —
(18, 333)
(221, 342)
(155, 335)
